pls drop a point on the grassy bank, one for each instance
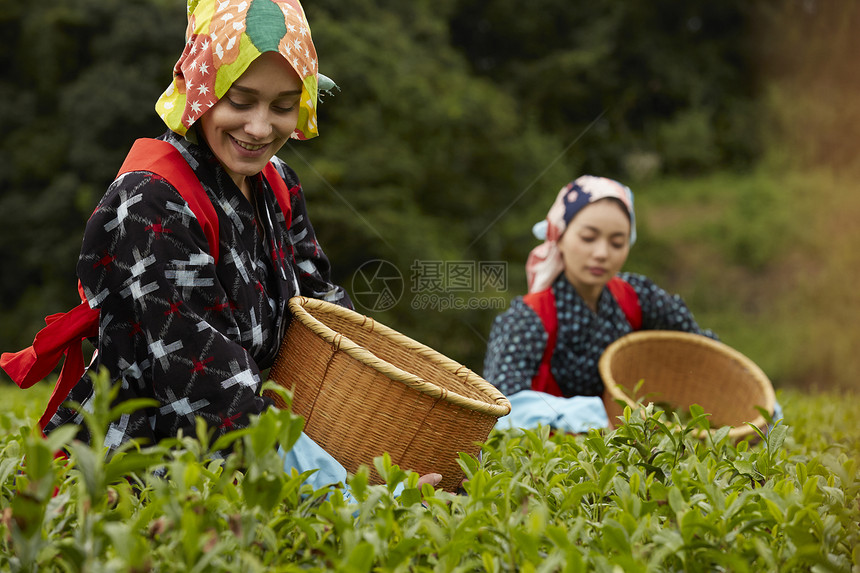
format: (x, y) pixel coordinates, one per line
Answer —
(767, 259)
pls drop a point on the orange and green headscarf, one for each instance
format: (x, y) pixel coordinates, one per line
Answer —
(222, 39)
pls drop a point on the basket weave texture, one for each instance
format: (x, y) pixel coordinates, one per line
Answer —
(682, 369)
(365, 389)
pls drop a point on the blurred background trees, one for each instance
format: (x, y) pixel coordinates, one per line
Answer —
(457, 123)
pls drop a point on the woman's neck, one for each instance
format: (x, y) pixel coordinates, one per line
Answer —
(590, 294)
(244, 185)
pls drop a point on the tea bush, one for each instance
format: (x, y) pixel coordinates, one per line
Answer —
(647, 496)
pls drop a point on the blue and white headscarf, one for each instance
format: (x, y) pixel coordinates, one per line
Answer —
(545, 263)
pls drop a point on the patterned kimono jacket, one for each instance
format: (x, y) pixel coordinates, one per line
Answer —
(177, 326)
(518, 338)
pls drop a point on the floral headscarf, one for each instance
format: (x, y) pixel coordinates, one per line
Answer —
(222, 39)
(545, 263)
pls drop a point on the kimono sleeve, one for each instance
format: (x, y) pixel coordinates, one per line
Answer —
(662, 310)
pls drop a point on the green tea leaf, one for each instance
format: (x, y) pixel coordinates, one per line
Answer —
(410, 496)
(776, 436)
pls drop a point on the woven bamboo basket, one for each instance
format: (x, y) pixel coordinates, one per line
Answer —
(365, 389)
(681, 369)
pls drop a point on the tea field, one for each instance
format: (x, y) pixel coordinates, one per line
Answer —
(645, 497)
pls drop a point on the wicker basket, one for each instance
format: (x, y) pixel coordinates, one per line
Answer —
(682, 369)
(365, 389)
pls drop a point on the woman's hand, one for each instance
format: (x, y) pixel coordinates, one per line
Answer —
(432, 479)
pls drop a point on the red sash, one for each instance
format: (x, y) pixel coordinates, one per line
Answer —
(543, 303)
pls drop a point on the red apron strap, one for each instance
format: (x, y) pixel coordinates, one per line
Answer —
(32, 364)
(279, 188)
(70, 374)
(62, 335)
(543, 303)
(628, 300)
(163, 159)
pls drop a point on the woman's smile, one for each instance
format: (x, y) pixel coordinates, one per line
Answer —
(248, 146)
(254, 119)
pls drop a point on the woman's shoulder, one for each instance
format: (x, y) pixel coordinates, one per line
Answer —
(520, 307)
(635, 279)
(148, 183)
(662, 309)
(140, 190)
(518, 330)
(651, 294)
(518, 317)
(643, 285)
(143, 202)
(143, 177)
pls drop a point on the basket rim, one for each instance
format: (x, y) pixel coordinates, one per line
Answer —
(633, 338)
(497, 404)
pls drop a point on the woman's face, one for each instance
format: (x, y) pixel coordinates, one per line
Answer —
(595, 245)
(253, 120)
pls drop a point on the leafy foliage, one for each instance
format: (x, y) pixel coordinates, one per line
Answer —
(79, 84)
(456, 124)
(673, 81)
(645, 497)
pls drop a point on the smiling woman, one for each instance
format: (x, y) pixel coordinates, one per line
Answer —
(254, 119)
(188, 319)
(545, 349)
(195, 249)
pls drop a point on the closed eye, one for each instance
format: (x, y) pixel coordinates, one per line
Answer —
(238, 105)
(286, 104)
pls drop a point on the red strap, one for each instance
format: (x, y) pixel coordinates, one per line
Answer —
(628, 300)
(62, 335)
(65, 331)
(543, 303)
(279, 188)
(163, 159)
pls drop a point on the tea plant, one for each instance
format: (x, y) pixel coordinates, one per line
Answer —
(648, 496)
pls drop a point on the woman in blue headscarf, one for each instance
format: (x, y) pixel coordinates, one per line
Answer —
(544, 350)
